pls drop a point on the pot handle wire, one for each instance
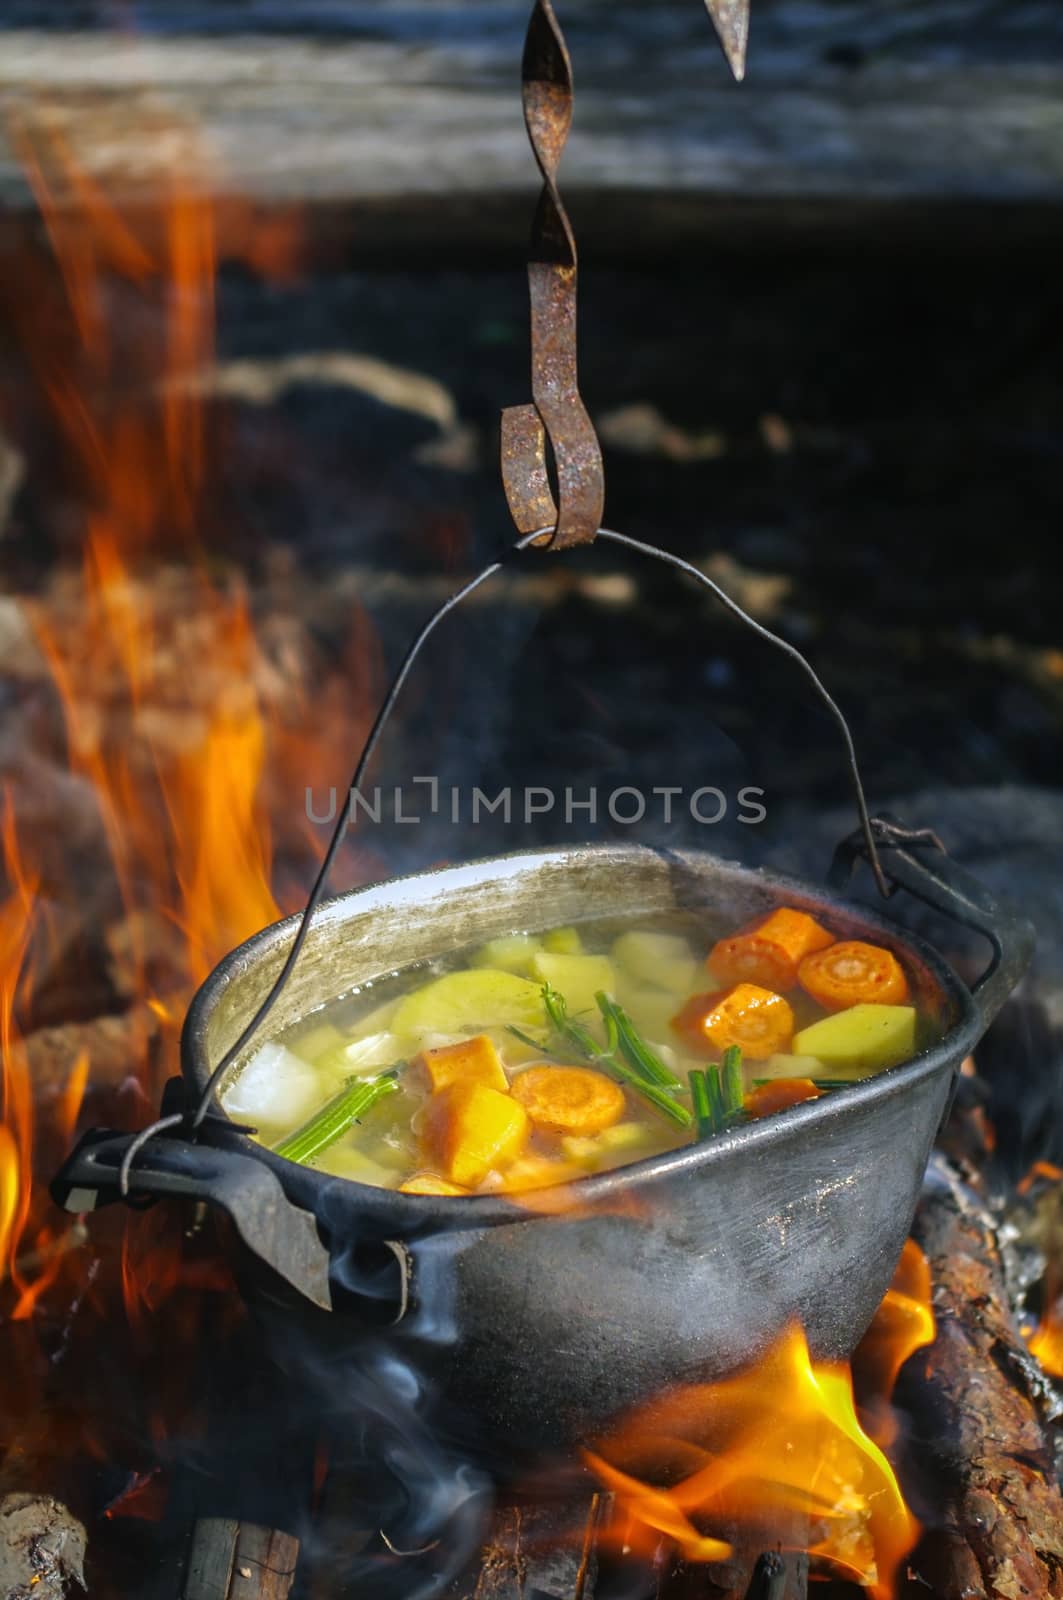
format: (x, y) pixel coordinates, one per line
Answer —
(193, 1118)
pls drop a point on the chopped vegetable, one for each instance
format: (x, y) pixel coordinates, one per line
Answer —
(472, 1060)
(595, 1151)
(661, 959)
(636, 1051)
(569, 1099)
(563, 942)
(465, 1002)
(864, 1039)
(533, 1171)
(471, 1128)
(851, 973)
(430, 1183)
(770, 952)
(704, 1121)
(650, 1010)
(333, 1120)
(577, 977)
(511, 954)
(582, 1042)
(780, 1094)
(344, 1161)
(731, 1080)
(318, 1041)
(755, 1019)
(276, 1087)
(790, 1066)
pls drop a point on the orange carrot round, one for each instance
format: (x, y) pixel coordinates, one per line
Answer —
(853, 973)
(779, 1095)
(569, 1099)
(760, 1022)
(770, 951)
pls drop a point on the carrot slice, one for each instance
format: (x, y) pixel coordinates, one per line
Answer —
(779, 1094)
(569, 1099)
(853, 973)
(770, 952)
(760, 1022)
(430, 1183)
(469, 1061)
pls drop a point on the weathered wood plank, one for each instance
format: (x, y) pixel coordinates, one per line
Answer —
(367, 100)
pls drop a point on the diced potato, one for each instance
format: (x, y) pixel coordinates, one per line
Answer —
(372, 1052)
(864, 1039)
(512, 954)
(563, 942)
(344, 1161)
(784, 1066)
(514, 1052)
(319, 1041)
(664, 960)
(466, 1002)
(651, 1010)
(578, 978)
(472, 1061)
(276, 1088)
(534, 1172)
(430, 1183)
(623, 1141)
(471, 1128)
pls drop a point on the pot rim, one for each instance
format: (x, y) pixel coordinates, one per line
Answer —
(408, 1212)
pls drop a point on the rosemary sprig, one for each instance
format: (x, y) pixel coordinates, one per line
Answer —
(329, 1124)
(731, 1081)
(633, 1047)
(699, 1095)
(580, 1040)
(718, 1093)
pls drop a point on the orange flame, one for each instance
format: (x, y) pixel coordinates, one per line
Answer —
(778, 1447)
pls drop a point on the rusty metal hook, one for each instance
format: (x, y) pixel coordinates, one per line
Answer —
(557, 412)
(557, 415)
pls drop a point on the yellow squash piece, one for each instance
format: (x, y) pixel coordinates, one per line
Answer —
(563, 942)
(469, 1061)
(471, 1128)
(513, 953)
(430, 1183)
(467, 1002)
(578, 978)
(865, 1039)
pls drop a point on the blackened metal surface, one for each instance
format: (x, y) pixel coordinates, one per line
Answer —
(535, 1329)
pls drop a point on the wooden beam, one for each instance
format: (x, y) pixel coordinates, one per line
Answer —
(843, 103)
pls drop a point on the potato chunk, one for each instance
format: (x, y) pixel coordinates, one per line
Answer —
(471, 1128)
(867, 1038)
(469, 1061)
(578, 978)
(430, 1183)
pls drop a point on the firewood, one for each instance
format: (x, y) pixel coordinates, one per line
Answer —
(231, 1560)
(115, 1045)
(975, 1415)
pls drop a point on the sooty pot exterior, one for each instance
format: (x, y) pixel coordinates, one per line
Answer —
(526, 1328)
(535, 1324)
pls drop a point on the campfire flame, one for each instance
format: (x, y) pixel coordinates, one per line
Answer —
(777, 1447)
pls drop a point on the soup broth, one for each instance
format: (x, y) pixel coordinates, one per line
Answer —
(537, 1059)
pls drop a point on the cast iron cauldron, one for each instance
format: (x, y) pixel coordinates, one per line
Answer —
(540, 1327)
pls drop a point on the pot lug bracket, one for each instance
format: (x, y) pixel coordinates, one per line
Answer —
(280, 1234)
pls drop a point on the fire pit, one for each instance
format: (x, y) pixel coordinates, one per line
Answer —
(716, 1373)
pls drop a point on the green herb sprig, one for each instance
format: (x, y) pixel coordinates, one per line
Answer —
(340, 1113)
(626, 1054)
(717, 1093)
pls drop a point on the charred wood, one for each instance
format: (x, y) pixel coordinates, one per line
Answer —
(979, 1447)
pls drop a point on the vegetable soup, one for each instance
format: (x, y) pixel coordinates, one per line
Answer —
(537, 1059)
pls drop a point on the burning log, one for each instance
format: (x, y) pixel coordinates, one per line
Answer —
(974, 1407)
(231, 1560)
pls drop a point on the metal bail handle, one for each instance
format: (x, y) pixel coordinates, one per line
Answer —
(557, 413)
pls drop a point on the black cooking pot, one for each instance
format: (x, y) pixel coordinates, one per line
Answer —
(540, 1325)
